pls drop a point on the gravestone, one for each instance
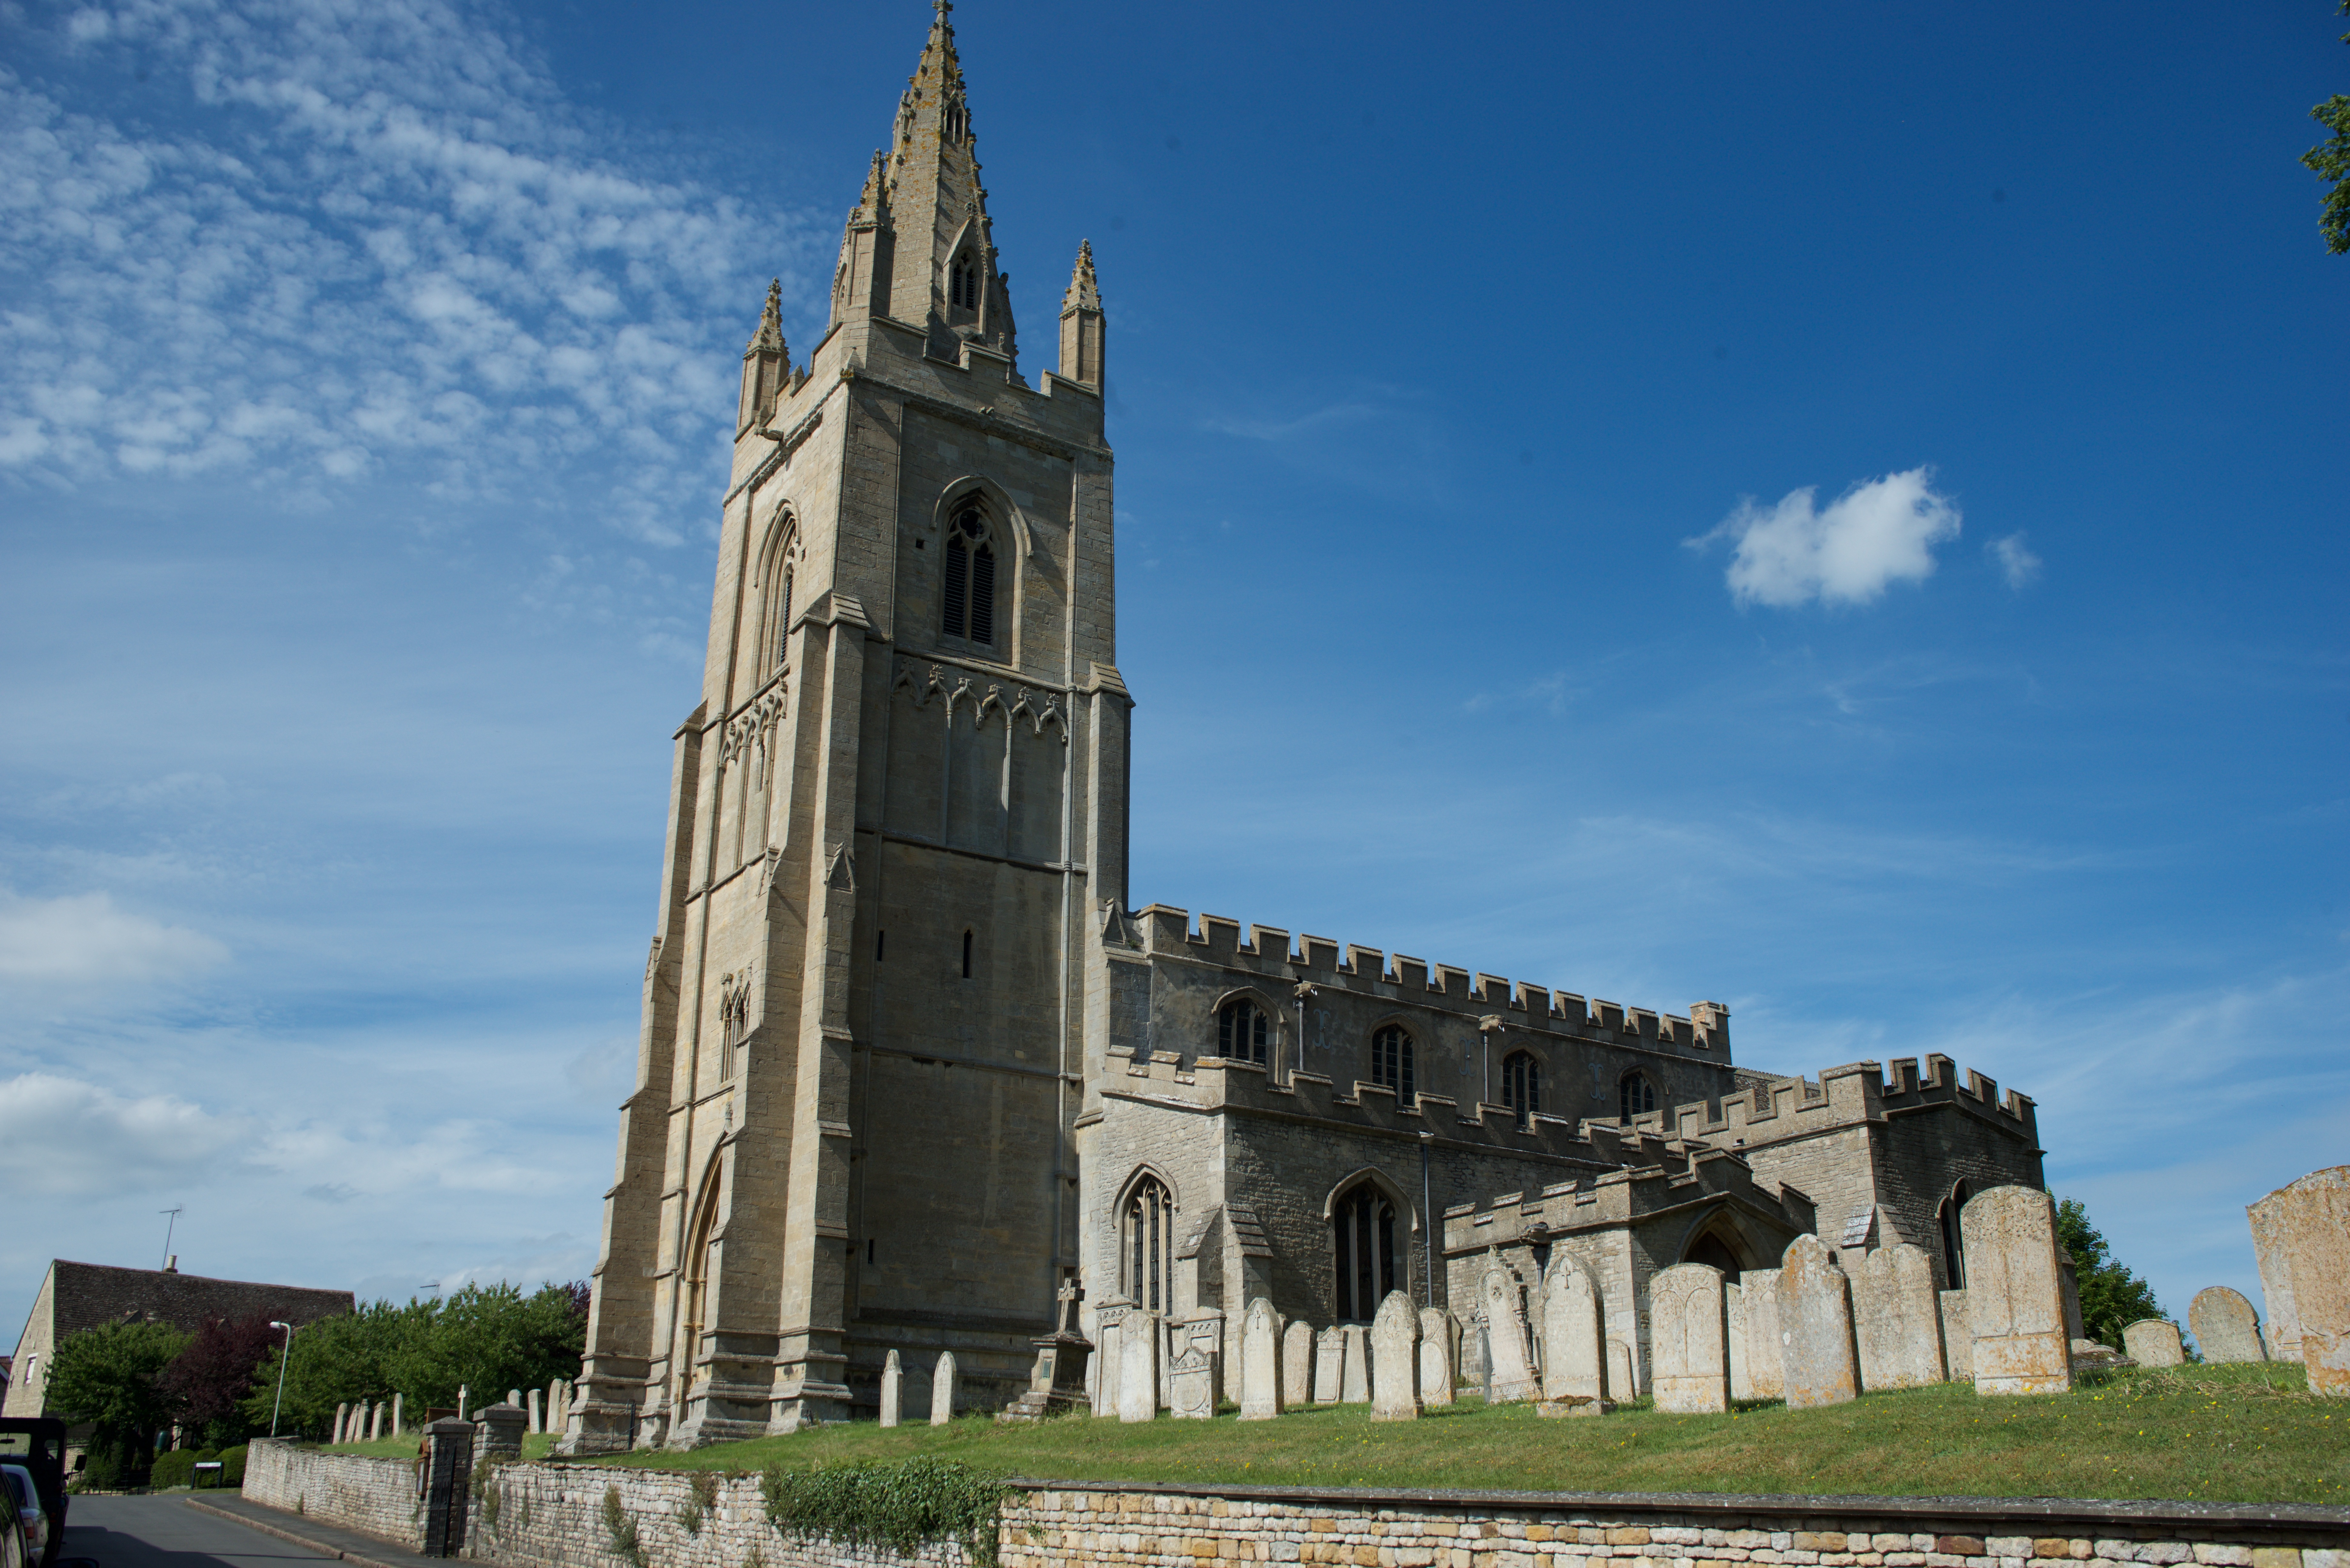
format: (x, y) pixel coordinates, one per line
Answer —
(2301, 1236)
(1355, 1376)
(1817, 1359)
(2226, 1327)
(1734, 1316)
(1191, 1381)
(375, 1425)
(1259, 1362)
(342, 1421)
(1435, 1356)
(1958, 1339)
(1511, 1366)
(1471, 1365)
(1689, 1344)
(1065, 1374)
(1758, 1291)
(1394, 1360)
(1138, 1368)
(538, 1413)
(2015, 1293)
(1574, 1351)
(2154, 1342)
(942, 1389)
(1623, 1373)
(398, 1426)
(1329, 1364)
(1110, 1355)
(893, 1377)
(1897, 1319)
(1298, 1365)
(554, 1404)
(513, 1397)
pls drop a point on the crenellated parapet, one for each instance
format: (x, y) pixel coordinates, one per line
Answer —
(1858, 1091)
(1166, 933)
(1671, 1176)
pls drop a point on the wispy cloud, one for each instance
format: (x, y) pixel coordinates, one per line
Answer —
(1878, 532)
(85, 939)
(1295, 425)
(2016, 563)
(375, 243)
(66, 1138)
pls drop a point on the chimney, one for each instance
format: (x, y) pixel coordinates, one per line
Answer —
(171, 1264)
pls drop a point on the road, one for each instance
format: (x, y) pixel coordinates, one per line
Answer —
(165, 1532)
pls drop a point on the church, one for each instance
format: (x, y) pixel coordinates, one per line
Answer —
(914, 1071)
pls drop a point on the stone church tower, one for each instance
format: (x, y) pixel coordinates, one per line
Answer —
(896, 818)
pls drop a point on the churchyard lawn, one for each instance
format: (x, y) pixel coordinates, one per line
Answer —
(2236, 1433)
(535, 1446)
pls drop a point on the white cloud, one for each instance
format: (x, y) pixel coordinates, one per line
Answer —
(366, 241)
(2017, 563)
(67, 1138)
(1879, 532)
(83, 938)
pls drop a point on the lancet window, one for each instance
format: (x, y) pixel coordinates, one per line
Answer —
(1148, 1253)
(778, 600)
(1522, 1085)
(1392, 1063)
(963, 283)
(1954, 1241)
(970, 610)
(1242, 1030)
(1635, 1095)
(1363, 1226)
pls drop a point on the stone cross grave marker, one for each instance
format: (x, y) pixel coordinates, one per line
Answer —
(1435, 1356)
(2154, 1342)
(942, 1389)
(1897, 1319)
(1394, 1360)
(2015, 1294)
(1259, 1362)
(1574, 1349)
(893, 1378)
(1329, 1364)
(1511, 1370)
(2301, 1235)
(2226, 1327)
(1689, 1342)
(1298, 1365)
(1817, 1359)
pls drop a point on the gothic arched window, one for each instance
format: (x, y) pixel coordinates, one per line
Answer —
(1240, 1031)
(1635, 1095)
(971, 577)
(1392, 1064)
(1363, 1226)
(1522, 1085)
(1146, 1264)
(1954, 1240)
(963, 283)
(778, 591)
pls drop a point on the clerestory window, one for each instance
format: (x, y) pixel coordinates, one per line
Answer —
(1240, 1031)
(1522, 1085)
(969, 610)
(1392, 1064)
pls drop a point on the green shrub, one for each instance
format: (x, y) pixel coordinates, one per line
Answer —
(100, 1471)
(177, 1468)
(233, 1466)
(903, 1506)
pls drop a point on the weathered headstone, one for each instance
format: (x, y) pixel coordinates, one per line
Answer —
(1259, 1362)
(1688, 1341)
(1109, 1357)
(2068, 1286)
(893, 1377)
(1623, 1372)
(2301, 1235)
(1138, 1368)
(1394, 1360)
(1435, 1356)
(2154, 1342)
(1354, 1378)
(1329, 1364)
(1471, 1365)
(342, 1422)
(1958, 1338)
(1574, 1351)
(398, 1424)
(942, 1389)
(538, 1413)
(1817, 1359)
(1765, 1354)
(464, 1391)
(554, 1404)
(1191, 1381)
(513, 1397)
(1505, 1339)
(375, 1422)
(2226, 1327)
(1298, 1365)
(1897, 1319)
(1733, 1315)
(2015, 1295)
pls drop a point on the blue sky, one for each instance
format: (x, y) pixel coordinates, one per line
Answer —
(1835, 511)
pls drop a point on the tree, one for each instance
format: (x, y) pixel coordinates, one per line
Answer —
(2330, 161)
(2112, 1298)
(113, 1375)
(213, 1376)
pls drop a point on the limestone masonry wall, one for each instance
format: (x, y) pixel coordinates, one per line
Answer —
(376, 1496)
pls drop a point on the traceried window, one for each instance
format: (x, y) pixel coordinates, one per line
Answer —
(1522, 1085)
(1392, 1064)
(971, 577)
(1635, 1095)
(1148, 1254)
(1363, 1226)
(963, 283)
(1240, 1031)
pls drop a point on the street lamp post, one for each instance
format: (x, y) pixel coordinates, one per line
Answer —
(279, 1403)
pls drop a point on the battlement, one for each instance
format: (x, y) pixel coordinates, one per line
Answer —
(1672, 1174)
(1167, 932)
(1783, 1108)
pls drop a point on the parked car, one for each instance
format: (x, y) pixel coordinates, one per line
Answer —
(14, 1552)
(18, 1482)
(36, 1445)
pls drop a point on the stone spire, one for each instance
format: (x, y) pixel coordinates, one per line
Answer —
(770, 336)
(943, 275)
(1081, 323)
(861, 283)
(767, 362)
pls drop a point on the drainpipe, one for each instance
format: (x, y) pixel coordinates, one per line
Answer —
(1427, 1225)
(1302, 991)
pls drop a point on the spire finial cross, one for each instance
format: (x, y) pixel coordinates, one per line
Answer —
(943, 7)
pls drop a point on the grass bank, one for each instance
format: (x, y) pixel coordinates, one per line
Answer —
(2249, 1434)
(535, 1446)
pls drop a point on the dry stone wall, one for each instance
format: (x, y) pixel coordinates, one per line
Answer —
(376, 1496)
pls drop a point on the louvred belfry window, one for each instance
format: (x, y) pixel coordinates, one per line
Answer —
(1521, 1086)
(1392, 1064)
(1241, 1030)
(970, 608)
